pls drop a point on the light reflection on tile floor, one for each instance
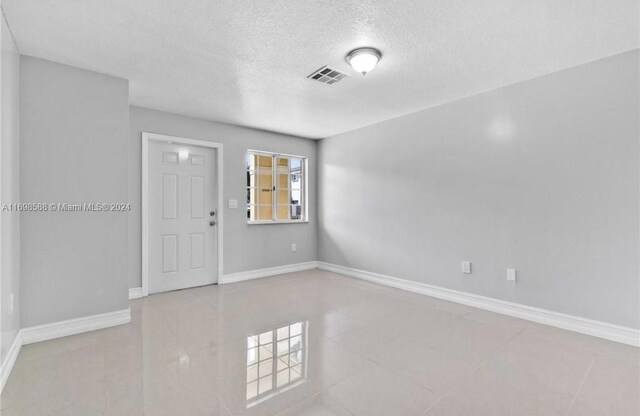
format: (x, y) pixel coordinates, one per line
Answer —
(368, 350)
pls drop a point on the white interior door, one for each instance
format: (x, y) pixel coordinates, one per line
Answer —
(182, 216)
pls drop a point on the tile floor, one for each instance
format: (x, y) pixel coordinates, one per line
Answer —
(319, 344)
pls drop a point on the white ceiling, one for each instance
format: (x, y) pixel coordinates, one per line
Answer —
(246, 62)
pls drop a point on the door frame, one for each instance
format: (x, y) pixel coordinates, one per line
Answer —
(146, 139)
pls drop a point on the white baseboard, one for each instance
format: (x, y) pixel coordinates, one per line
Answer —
(135, 293)
(271, 271)
(10, 360)
(586, 326)
(58, 330)
(74, 326)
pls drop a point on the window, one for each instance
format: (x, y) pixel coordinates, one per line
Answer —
(276, 361)
(276, 187)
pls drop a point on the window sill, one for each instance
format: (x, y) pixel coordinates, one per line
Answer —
(277, 222)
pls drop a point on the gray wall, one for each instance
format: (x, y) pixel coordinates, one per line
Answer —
(74, 143)
(9, 190)
(246, 247)
(540, 176)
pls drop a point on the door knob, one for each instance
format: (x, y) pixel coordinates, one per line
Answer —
(212, 223)
(212, 213)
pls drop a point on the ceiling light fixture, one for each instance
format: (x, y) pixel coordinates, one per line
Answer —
(363, 60)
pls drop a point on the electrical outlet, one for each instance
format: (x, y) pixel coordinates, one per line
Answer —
(233, 203)
(466, 267)
(10, 304)
(293, 247)
(511, 275)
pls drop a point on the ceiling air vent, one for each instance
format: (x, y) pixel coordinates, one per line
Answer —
(327, 75)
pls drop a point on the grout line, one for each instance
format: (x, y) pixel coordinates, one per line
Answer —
(340, 405)
(565, 341)
(223, 403)
(106, 389)
(513, 338)
(467, 376)
(312, 398)
(398, 373)
(433, 404)
(584, 378)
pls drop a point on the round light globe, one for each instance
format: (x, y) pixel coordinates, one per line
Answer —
(363, 60)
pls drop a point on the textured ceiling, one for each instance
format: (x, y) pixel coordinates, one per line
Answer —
(246, 62)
